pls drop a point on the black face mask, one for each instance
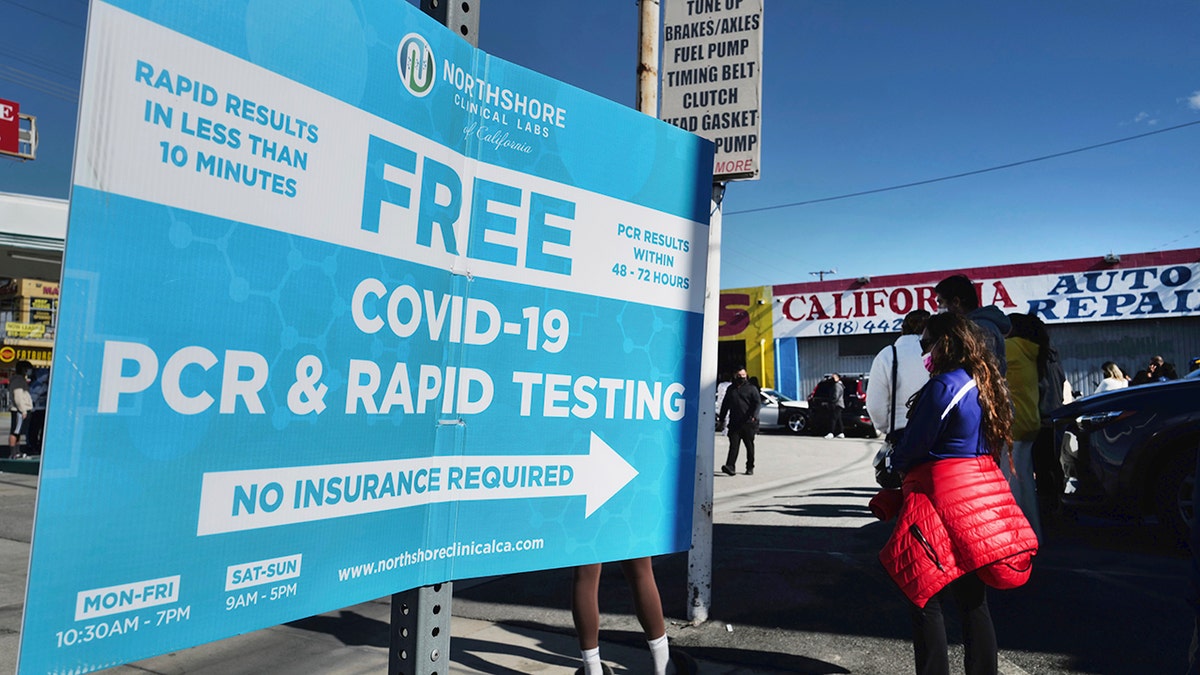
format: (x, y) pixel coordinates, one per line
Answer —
(739, 380)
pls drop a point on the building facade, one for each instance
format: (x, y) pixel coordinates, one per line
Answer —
(1124, 308)
(32, 233)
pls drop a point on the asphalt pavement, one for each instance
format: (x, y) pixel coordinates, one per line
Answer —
(796, 588)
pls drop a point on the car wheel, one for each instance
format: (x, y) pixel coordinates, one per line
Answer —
(798, 423)
(1173, 492)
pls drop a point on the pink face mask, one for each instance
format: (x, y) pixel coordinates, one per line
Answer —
(928, 360)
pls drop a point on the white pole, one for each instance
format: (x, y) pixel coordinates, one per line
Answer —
(700, 555)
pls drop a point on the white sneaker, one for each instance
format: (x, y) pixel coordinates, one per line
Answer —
(841, 435)
(829, 435)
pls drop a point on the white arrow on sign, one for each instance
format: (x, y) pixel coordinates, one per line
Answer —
(232, 501)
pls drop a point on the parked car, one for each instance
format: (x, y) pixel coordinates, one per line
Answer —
(854, 416)
(780, 412)
(1134, 449)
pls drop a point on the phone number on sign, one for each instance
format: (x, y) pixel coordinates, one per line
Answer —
(851, 327)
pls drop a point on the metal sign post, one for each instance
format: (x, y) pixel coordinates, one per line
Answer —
(419, 642)
(420, 637)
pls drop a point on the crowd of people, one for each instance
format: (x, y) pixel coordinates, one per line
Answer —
(1157, 370)
(963, 398)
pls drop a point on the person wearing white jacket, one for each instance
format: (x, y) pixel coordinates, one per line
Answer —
(910, 374)
(1113, 378)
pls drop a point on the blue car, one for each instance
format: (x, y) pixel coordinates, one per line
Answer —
(1133, 449)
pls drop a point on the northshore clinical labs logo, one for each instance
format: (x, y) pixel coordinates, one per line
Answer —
(414, 59)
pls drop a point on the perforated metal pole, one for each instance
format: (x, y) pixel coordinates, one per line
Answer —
(420, 640)
(460, 16)
(420, 637)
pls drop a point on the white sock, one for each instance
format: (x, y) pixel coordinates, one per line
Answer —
(591, 662)
(660, 653)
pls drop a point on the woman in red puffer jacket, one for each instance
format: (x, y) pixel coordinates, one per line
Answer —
(959, 528)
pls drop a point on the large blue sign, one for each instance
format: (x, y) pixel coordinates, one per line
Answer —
(350, 307)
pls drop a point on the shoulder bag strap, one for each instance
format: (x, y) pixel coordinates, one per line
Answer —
(895, 365)
(971, 384)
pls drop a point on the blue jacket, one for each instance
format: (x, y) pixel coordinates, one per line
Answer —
(995, 325)
(933, 432)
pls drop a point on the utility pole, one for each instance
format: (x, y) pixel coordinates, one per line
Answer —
(647, 91)
(419, 637)
(820, 274)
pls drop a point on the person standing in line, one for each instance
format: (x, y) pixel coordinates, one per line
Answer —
(741, 405)
(957, 294)
(1113, 378)
(20, 405)
(836, 406)
(585, 611)
(1022, 347)
(1166, 372)
(1054, 391)
(959, 528)
(905, 356)
(1150, 374)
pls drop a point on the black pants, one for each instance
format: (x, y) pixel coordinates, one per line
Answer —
(737, 437)
(979, 635)
(1049, 472)
(835, 422)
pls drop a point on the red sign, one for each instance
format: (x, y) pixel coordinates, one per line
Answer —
(10, 126)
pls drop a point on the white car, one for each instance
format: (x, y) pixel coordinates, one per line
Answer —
(777, 411)
(780, 412)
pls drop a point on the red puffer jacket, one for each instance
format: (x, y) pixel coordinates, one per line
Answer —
(958, 516)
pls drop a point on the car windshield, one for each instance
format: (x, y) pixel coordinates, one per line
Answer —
(1194, 375)
(776, 395)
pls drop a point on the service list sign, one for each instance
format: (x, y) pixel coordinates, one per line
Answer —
(350, 307)
(712, 78)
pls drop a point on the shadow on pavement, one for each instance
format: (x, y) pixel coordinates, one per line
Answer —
(350, 628)
(1103, 597)
(463, 651)
(1106, 596)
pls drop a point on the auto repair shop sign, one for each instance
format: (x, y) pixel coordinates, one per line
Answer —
(1160, 291)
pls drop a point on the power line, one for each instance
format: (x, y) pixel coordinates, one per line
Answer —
(1176, 240)
(41, 66)
(37, 83)
(45, 84)
(40, 12)
(964, 174)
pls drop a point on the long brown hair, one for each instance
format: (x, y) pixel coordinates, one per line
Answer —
(956, 342)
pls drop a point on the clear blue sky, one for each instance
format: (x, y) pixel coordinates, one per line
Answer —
(859, 95)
